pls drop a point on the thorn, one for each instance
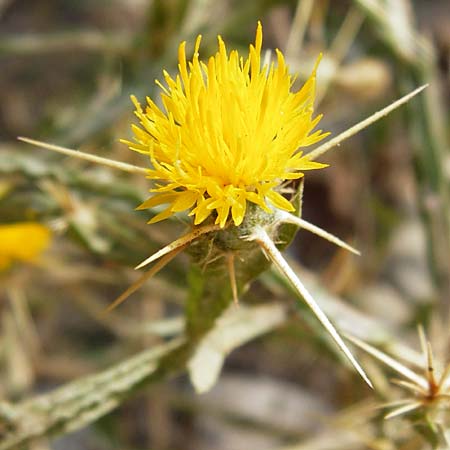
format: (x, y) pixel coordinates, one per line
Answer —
(429, 360)
(86, 156)
(430, 370)
(232, 274)
(286, 217)
(262, 238)
(403, 410)
(140, 281)
(389, 361)
(363, 124)
(182, 241)
(443, 380)
(410, 386)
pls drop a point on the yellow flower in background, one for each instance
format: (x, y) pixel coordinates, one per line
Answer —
(23, 241)
(230, 133)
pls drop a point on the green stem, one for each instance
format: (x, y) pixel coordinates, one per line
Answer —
(81, 402)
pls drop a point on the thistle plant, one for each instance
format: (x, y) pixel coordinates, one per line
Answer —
(427, 388)
(226, 146)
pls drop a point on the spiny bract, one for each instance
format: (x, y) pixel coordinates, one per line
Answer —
(230, 132)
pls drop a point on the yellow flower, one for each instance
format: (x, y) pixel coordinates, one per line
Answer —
(22, 242)
(230, 133)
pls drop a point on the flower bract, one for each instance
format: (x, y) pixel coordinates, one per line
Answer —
(230, 131)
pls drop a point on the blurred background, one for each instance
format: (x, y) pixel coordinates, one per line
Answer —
(67, 71)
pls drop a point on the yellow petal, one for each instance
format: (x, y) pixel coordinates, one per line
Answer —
(161, 216)
(185, 200)
(229, 132)
(279, 201)
(157, 199)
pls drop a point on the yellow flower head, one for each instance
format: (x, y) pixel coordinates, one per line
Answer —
(22, 242)
(230, 133)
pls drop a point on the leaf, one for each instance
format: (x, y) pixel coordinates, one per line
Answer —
(238, 325)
